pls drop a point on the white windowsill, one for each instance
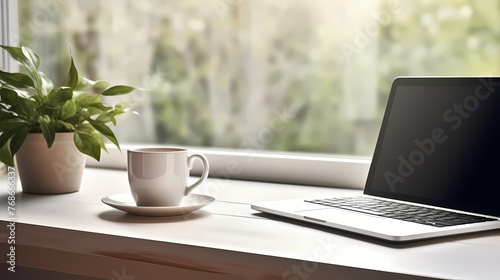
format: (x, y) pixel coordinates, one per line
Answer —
(288, 168)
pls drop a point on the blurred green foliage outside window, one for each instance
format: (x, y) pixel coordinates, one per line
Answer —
(280, 75)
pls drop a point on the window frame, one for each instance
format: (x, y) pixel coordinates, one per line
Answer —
(328, 170)
(9, 28)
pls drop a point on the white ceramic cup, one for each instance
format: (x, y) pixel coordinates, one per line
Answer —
(159, 176)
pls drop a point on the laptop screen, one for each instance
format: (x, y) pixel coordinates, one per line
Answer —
(439, 144)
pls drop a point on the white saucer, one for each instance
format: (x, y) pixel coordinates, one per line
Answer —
(125, 202)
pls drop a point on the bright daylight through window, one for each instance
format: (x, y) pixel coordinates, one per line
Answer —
(302, 76)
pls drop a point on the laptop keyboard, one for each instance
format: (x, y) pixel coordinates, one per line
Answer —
(401, 211)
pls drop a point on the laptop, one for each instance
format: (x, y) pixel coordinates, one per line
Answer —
(435, 170)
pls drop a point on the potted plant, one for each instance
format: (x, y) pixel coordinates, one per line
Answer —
(49, 129)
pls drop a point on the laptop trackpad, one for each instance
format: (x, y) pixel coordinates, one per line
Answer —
(338, 215)
(351, 220)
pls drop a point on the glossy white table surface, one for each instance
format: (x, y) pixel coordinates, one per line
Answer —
(79, 235)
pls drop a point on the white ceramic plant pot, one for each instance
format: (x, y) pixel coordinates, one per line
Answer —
(50, 171)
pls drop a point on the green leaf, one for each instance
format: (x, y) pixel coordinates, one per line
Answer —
(106, 117)
(72, 78)
(6, 115)
(8, 96)
(117, 90)
(18, 55)
(5, 155)
(105, 130)
(85, 99)
(4, 137)
(87, 144)
(90, 111)
(20, 106)
(48, 133)
(121, 108)
(47, 84)
(60, 95)
(118, 110)
(64, 126)
(84, 83)
(89, 129)
(26, 108)
(68, 109)
(31, 56)
(18, 139)
(13, 125)
(101, 106)
(23, 55)
(17, 80)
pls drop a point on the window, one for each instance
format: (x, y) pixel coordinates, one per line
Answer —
(295, 76)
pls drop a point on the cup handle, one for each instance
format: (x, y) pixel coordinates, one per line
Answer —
(204, 175)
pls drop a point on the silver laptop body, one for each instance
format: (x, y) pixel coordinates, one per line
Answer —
(438, 147)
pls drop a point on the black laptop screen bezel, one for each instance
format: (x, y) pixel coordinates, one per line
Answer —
(370, 188)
